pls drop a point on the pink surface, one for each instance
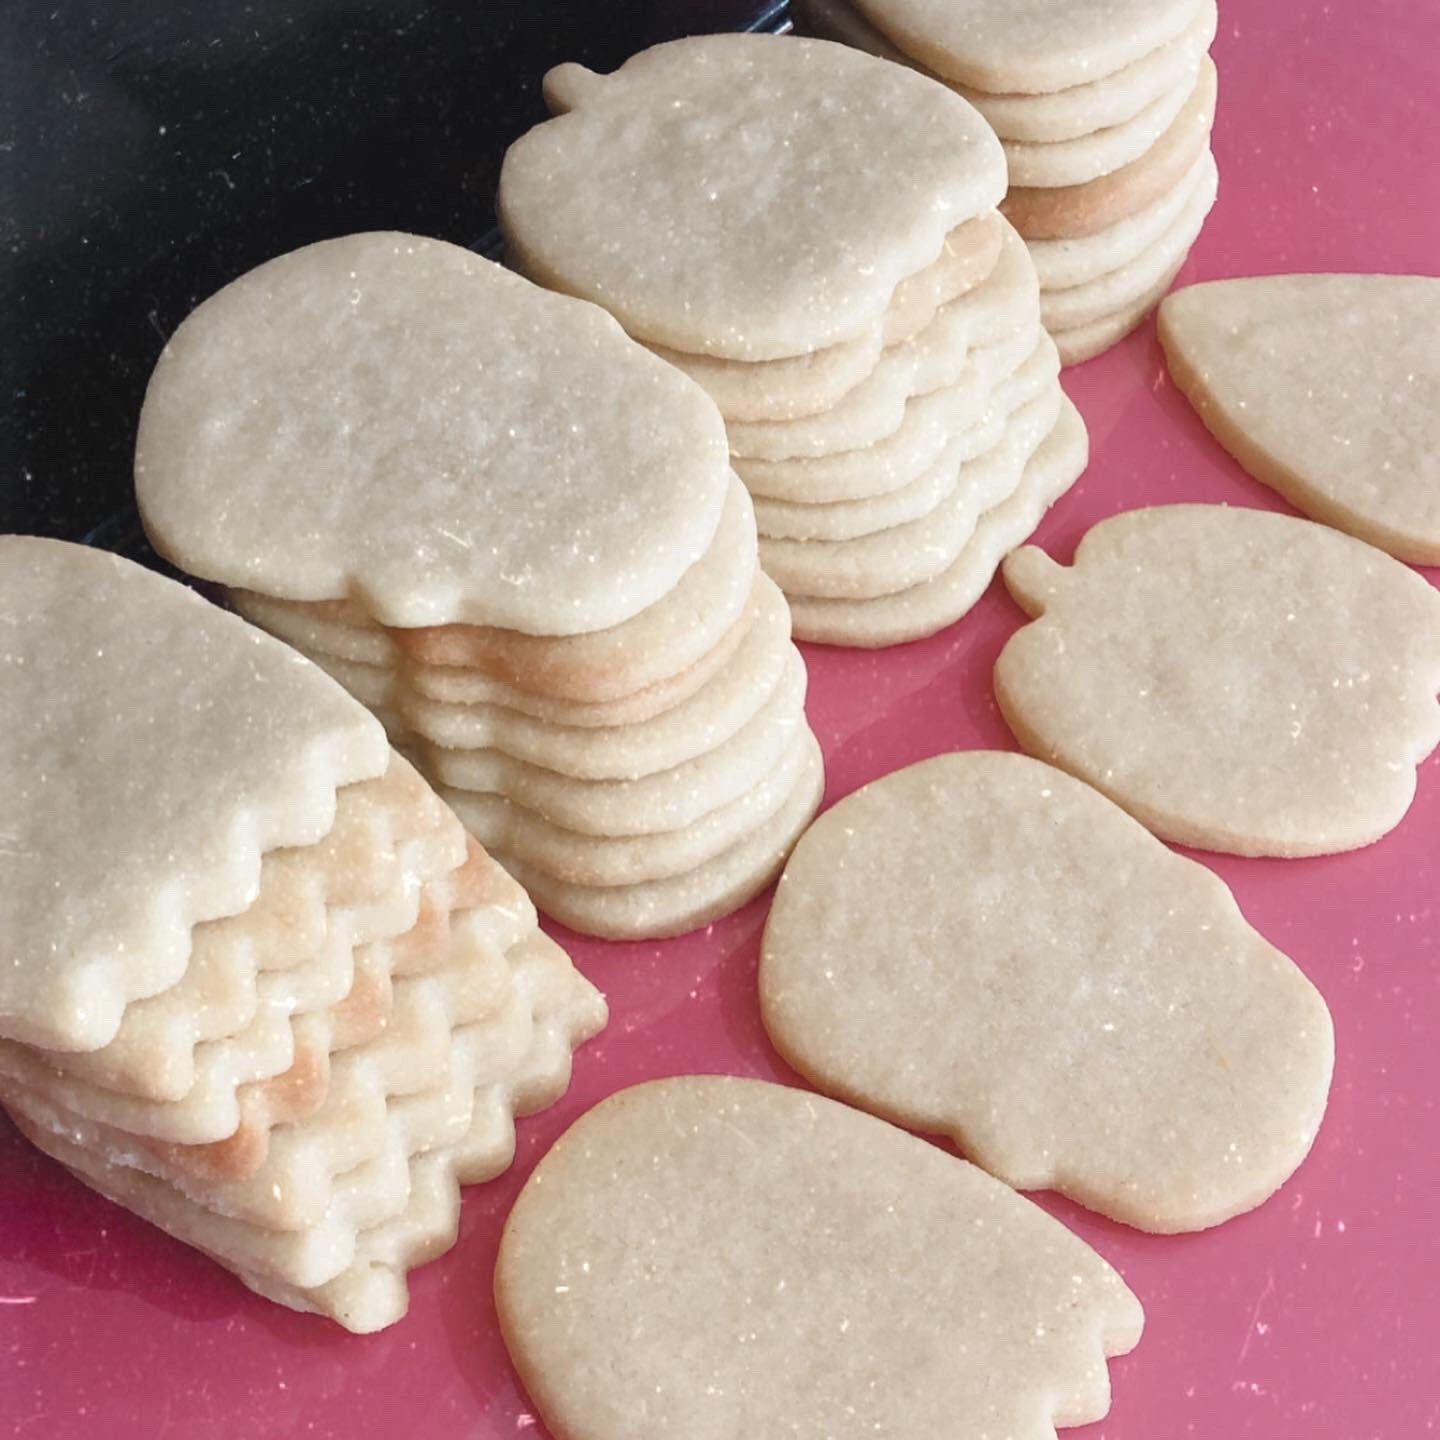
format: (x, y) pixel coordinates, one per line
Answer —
(1317, 1315)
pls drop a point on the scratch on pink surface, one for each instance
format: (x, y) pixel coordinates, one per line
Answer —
(18, 1299)
(1254, 1327)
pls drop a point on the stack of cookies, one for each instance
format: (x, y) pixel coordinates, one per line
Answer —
(515, 535)
(261, 989)
(1105, 115)
(811, 234)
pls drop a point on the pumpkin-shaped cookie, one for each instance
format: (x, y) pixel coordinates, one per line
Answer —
(1238, 680)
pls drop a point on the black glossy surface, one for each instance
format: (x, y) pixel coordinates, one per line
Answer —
(154, 149)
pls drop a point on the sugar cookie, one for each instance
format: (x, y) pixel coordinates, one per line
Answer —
(1238, 680)
(1327, 389)
(753, 1260)
(1076, 1006)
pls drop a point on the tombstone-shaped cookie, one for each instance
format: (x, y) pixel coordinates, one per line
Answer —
(1327, 389)
(136, 805)
(1238, 680)
(712, 1257)
(1042, 980)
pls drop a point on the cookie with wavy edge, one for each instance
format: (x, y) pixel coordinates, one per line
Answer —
(401, 1208)
(315, 904)
(153, 748)
(469, 997)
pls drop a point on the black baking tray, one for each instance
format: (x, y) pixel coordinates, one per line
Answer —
(152, 150)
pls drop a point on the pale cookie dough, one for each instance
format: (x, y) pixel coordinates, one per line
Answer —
(1062, 263)
(1087, 157)
(1092, 300)
(399, 1208)
(506, 829)
(924, 609)
(655, 645)
(1064, 114)
(715, 1257)
(800, 385)
(986, 327)
(678, 904)
(746, 196)
(1029, 46)
(849, 519)
(398, 421)
(1072, 1003)
(152, 749)
(1063, 212)
(1327, 389)
(662, 800)
(896, 559)
(1096, 104)
(1082, 342)
(1238, 680)
(707, 717)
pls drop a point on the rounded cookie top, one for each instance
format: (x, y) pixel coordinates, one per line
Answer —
(756, 1260)
(1076, 1005)
(399, 421)
(745, 195)
(1326, 387)
(152, 748)
(1238, 680)
(1028, 46)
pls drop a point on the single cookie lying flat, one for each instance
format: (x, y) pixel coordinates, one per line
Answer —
(1078, 1007)
(715, 1257)
(1237, 680)
(1327, 389)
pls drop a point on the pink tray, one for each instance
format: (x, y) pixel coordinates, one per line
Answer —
(1317, 1315)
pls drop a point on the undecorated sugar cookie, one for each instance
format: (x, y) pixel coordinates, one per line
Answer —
(983, 947)
(1327, 389)
(1238, 680)
(711, 1257)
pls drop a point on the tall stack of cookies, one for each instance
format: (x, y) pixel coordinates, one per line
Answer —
(260, 988)
(1105, 114)
(513, 533)
(812, 235)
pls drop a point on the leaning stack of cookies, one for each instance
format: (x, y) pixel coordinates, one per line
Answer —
(519, 540)
(1105, 115)
(261, 989)
(875, 346)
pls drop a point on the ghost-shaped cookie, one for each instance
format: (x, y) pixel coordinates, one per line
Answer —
(1238, 680)
(714, 1257)
(1327, 389)
(983, 947)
